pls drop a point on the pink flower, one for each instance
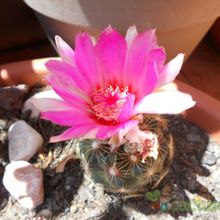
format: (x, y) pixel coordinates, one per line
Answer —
(105, 86)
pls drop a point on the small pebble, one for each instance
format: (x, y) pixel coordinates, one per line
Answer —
(2, 124)
(164, 207)
(25, 183)
(67, 187)
(46, 213)
(209, 159)
(24, 141)
(39, 102)
(73, 209)
(95, 212)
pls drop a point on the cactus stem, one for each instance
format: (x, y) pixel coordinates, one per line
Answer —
(133, 158)
(123, 170)
(113, 171)
(95, 145)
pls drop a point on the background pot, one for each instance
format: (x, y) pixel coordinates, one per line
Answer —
(205, 113)
(180, 24)
(215, 34)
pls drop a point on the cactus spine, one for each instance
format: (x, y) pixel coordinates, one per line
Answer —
(124, 171)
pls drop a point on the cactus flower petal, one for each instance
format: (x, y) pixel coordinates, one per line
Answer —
(67, 117)
(170, 70)
(167, 102)
(137, 64)
(130, 35)
(65, 51)
(111, 51)
(47, 104)
(73, 132)
(86, 59)
(127, 109)
(108, 131)
(106, 85)
(65, 85)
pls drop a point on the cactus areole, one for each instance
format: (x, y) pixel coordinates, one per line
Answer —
(111, 99)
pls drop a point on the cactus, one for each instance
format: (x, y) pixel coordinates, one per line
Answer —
(104, 87)
(124, 171)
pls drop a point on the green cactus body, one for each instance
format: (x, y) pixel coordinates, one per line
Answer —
(123, 171)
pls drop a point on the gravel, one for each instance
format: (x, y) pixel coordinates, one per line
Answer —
(191, 190)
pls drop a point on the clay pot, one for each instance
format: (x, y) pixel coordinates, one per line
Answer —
(205, 113)
(215, 34)
(25, 26)
(180, 24)
(29, 72)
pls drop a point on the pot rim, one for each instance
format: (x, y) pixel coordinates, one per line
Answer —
(79, 13)
(205, 113)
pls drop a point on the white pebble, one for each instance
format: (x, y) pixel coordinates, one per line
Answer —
(25, 183)
(39, 102)
(46, 213)
(24, 141)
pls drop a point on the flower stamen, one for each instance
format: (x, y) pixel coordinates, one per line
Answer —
(108, 102)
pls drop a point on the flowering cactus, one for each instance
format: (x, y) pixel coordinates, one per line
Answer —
(109, 94)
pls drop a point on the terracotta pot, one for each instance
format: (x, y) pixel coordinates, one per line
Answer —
(215, 34)
(180, 24)
(205, 113)
(25, 26)
(29, 72)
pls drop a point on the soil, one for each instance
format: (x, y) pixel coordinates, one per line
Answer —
(191, 190)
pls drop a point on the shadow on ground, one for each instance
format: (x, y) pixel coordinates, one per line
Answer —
(3, 192)
(3, 160)
(190, 145)
(61, 188)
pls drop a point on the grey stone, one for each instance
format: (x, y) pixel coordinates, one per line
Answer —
(25, 183)
(94, 212)
(74, 208)
(39, 102)
(44, 213)
(24, 141)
